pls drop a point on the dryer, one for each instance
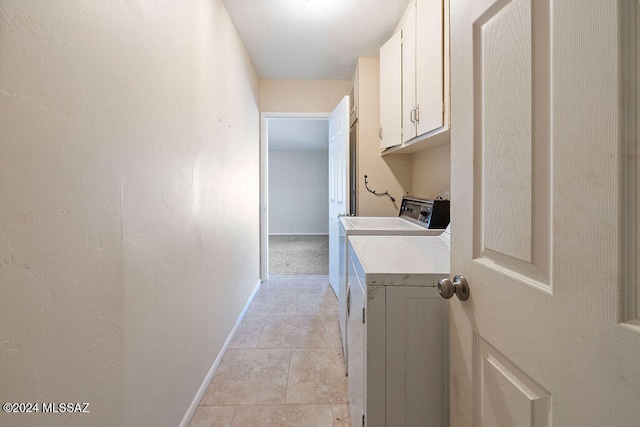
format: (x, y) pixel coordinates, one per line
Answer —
(398, 327)
(417, 217)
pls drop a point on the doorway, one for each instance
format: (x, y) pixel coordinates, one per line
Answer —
(294, 194)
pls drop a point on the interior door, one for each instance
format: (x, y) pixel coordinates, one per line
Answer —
(338, 181)
(544, 213)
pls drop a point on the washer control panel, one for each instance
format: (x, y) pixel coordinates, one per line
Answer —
(429, 213)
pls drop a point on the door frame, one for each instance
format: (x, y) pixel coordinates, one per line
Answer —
(264, 180)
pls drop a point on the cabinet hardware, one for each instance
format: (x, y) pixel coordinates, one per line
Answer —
(413, 116)
(417, 113)
(362, 314)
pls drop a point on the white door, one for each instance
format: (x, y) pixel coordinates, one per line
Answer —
(544, 213)
(338, 181)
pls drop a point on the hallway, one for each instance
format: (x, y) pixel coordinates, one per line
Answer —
(284, 366)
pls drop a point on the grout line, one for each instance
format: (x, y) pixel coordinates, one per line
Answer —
(333, 415)
(262, 331)
(286, 389)
(219, 404)
(324, 328)
(234, 415)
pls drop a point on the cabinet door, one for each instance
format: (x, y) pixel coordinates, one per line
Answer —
(409, 73)
(429, 65)
(417, 358)
(355, 345)
(391, 92)
(375, 388)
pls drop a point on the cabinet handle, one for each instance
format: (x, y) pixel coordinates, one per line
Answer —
(380, 133)
(417, 114)
(413, 116)
(348, 300)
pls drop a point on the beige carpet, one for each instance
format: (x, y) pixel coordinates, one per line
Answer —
(298, 255)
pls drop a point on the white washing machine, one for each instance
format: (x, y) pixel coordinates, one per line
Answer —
(417, 217)
(398, 329)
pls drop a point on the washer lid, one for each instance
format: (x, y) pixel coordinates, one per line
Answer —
(373, 225)
(381, 222)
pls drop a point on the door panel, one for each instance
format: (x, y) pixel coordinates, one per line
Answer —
(409, 72)
(506, 129)
(588, 121)
(417, 355)
(338, 184)
(391, 92)
(537, 198)
(429, 65)
(511, 142)
(508, 396)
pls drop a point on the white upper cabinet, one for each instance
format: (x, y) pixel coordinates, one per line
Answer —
(429, 66)
(391, 92)
(423, 68)
(409, 128)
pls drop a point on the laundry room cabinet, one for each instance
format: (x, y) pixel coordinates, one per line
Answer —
(422, 68)
(397, 340)
(421, 72)
(390, 132)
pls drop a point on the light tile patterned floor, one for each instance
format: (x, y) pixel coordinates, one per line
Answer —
(284, 366)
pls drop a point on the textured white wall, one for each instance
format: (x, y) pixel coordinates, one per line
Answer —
(390, 173)
(431, 172)
(302, 96)
(128, 143)
(298, 192)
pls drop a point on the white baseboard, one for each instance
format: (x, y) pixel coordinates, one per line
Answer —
(298, 234)
(205, 384)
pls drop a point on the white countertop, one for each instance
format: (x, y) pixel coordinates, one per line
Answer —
(402, 260)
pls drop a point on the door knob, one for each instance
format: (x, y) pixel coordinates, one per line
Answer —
(459, 286)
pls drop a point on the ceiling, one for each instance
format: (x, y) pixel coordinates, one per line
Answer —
(298, 134)
(313, 39)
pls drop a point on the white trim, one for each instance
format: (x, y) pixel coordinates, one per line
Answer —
(207, 379)
(298, 234)
(264, 181)
(264, 197)
(630, 129)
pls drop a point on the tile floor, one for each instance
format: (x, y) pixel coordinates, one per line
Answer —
(284, 366)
